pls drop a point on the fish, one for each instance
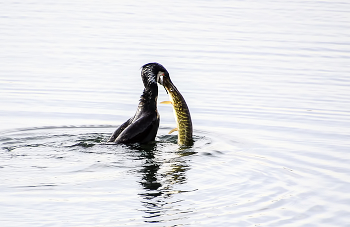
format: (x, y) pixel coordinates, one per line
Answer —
(181, 111)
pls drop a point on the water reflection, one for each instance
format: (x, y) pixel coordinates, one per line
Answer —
(159, 178)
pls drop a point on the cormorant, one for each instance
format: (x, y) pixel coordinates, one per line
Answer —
(143, 126)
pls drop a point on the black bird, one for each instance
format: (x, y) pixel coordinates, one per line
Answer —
(143, 126)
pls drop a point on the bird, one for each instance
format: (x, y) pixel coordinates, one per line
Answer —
(143, 126)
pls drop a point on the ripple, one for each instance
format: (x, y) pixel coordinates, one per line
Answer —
(220, 177)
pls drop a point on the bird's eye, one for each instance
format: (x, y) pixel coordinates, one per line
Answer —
(160, 77)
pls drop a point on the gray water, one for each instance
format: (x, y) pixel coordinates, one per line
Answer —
(267, 84)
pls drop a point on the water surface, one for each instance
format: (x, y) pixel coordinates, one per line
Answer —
(267, 84)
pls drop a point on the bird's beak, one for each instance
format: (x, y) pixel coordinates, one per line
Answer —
(160, 76)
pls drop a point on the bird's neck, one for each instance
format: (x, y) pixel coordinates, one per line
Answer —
(148, 99)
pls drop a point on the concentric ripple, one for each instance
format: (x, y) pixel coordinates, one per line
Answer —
(47, 171)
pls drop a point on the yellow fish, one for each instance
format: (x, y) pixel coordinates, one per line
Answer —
(181, 111)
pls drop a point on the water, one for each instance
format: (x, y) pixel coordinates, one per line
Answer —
(267, 84)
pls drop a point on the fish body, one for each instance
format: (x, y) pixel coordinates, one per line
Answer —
(181, 112)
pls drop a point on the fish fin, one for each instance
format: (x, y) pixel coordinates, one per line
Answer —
(166, 102)
(173, 130)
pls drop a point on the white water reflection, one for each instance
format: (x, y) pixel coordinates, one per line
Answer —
(266, 82)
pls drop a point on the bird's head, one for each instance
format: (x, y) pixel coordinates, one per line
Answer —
(152, 73)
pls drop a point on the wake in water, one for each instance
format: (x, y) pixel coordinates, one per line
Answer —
(67, 158)
(71, 168)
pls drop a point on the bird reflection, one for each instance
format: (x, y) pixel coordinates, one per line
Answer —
(158, 184)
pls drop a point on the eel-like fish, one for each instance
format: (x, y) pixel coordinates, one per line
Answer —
(181, 111)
